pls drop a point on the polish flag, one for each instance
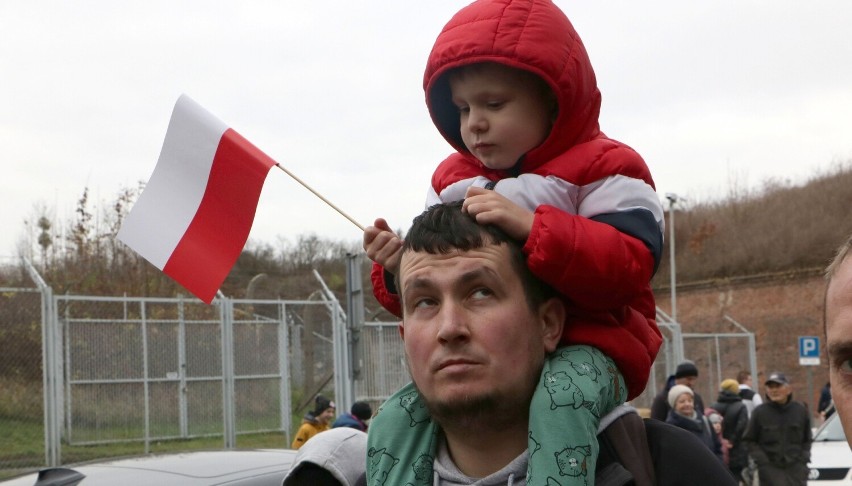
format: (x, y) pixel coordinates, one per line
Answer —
(194, 216)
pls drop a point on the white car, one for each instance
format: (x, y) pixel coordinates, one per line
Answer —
(262, 467)
(831, 458)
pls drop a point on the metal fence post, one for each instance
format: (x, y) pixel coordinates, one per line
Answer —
(228, 413)
(343, 385)
(51, 371)
(183, 409)
(143, 328)
(284, 369)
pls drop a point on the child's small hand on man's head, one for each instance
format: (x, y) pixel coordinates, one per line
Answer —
(383, 246)
(489, 207)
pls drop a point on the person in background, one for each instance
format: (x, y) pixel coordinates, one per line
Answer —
(716, 421)
(683, 415)
(779, 437)
(838, 333)
(734, 413)
(825, 408)
(357, 417)
(751, 398)
(333, 458)
(686, 374)
(316, 421)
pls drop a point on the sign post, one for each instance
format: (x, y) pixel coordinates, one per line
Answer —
(809, 356)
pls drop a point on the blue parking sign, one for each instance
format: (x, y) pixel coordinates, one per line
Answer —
(809, 350)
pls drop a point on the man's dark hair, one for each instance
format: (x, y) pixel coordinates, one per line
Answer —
(743, 375)
(444, 228)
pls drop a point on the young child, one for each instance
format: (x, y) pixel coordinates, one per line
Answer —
(509, 85)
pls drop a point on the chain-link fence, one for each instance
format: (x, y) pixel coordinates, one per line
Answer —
(137, 370)
(154, 369)
(716, 355)
(384, 371)
(21, 385)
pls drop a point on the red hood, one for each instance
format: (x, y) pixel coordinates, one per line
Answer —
(533, 35)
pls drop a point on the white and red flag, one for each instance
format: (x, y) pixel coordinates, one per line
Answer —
(194, 216)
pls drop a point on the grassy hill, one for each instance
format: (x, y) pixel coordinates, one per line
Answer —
(781, 228)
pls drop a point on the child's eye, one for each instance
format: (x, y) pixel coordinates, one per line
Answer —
(495, 104)
(463, 109)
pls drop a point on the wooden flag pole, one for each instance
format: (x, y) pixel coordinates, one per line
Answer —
(319, 196)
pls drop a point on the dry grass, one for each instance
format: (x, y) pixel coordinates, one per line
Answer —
(782, 228)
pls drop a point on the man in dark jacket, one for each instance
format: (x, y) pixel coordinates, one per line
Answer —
(357, 417)
(778, 436)
(734, 423)
(686, 373)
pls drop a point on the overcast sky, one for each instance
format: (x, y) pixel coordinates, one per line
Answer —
(709, 93)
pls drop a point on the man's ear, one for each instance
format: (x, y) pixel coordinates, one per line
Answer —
(552, 317)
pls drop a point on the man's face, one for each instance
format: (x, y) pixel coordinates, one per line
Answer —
(471, 340)
(687, 380)
(778, 392)
(838, 328)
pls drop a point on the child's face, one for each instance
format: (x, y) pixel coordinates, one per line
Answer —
(504, 112)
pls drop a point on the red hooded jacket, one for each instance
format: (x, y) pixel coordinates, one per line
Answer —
(598, 230)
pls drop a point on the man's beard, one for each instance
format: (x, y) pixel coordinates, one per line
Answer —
(489, 409)
(484, 410)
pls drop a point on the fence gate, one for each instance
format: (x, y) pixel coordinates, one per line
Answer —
(143, 369)
(716, 355)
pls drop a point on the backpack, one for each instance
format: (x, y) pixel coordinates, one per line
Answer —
(646, 452)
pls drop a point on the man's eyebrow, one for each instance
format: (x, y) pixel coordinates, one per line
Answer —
(839, 349)
(465, 278)
(415, 283)
(478, 273)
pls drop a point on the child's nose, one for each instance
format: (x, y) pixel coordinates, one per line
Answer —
(477, 123)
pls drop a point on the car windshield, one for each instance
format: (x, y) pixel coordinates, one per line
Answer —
(831, 431)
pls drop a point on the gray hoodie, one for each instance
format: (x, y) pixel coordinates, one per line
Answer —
(340, 451)
(447, 474)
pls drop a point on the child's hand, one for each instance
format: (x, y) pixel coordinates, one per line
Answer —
(489, 207)
(383, 246)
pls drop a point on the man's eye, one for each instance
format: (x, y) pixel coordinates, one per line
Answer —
(422, 303)
(846, 365)
(482, 293)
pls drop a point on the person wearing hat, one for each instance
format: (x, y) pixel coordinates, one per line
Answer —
(315, 421)
(734, 414)
(357, 418)
(681, 400)
(685, 374)
(333, 458)
(778, 436)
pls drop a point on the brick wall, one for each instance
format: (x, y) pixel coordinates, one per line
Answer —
(778, 308)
